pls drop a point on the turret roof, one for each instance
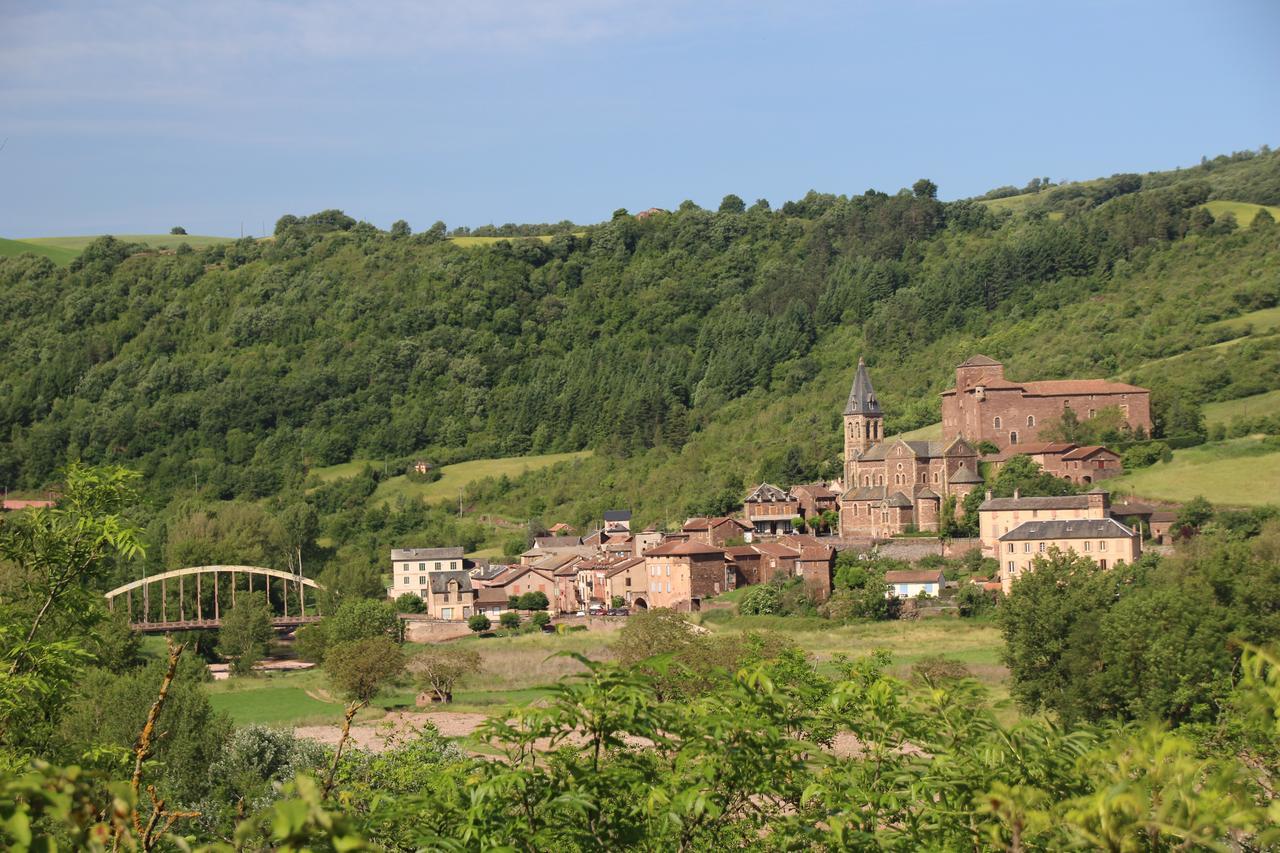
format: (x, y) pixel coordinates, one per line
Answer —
(862, 397)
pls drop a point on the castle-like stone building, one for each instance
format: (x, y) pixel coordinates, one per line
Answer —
(984, 406)
(891, 486)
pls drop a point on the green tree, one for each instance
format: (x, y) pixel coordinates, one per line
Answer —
(732, 204)
(246, 634)
(479, 623)
(534, 600)
(359, 670)
(178, 230)
(509, 619)
(410, 603)
(924, 188)
(438, 668)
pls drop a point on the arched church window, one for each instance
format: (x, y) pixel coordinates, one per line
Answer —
(1013, 437)
(1031, 420)
(997, 423)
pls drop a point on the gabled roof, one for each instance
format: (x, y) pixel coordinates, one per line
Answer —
(548, 543)
(617, 515)
(740, 551)
(767, 492)
(928, 494)
(819, 553)
(865, 493)
(776, 549)
(862, 397)
(964, 475)
(426, 553)
(1090, 450)
(815, 490)
(440, 581)
(624, 565)
(980, 361)
(1057, 387)
(698, 523)
(915, 576)
(1047, 502)
(682, 549)
(1070, 528)
(898, 499)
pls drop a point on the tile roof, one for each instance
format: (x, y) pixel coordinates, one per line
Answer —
(1070, 528)
(439, 581)
(549, 542)
(1057, 387)
(978, 360)
(1048, 502)
(928, 494)
(1090, 450)
(491, 595)
(624, 565)
(810, 553)
(426, 553)
(898, 499)
(915, 576)
(767, 492)
(682, 549)
(776, 549)
(963, 474)
(865, 493)
(817, 490)
(617, 515)
(862, 397)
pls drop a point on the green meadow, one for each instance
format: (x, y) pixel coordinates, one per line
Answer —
(456, 477)
(155, 241)
(1259, 405)
(1238, 472)
(57, 254)
(1243, 210)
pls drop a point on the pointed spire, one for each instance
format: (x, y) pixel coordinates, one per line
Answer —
(862, 397)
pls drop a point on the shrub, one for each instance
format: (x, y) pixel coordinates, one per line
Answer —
(510, 619)
(534, 600)
(410, 603)
(760, 600)
(973, 600)
(1145, 455)
(540, 618)
(936, 669)
(479, 623)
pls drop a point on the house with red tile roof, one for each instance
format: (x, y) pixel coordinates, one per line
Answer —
(679, 575)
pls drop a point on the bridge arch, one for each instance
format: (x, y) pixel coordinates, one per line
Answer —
(201, 592)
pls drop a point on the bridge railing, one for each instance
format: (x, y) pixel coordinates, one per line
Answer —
(201, 591)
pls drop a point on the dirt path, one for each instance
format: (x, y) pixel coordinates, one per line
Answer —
(376, 735)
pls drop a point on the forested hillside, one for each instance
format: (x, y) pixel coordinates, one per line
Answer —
(693, 351)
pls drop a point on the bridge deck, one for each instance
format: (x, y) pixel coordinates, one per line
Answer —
(197, 624)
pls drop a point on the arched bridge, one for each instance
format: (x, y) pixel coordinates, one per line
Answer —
(184, 599)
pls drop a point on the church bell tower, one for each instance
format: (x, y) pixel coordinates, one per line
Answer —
(863, 422)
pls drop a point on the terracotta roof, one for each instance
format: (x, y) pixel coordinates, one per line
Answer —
(817, 490)
(810, 553)
(682, 549)
(491, 595)
(548, 543)
(18, 503)
(776, 549)
(737, 551)
(624, 565)
(1090, 450)
(913, 576)
(1163, 515)
(978, 360)
(1072, 528)
(1055, 387)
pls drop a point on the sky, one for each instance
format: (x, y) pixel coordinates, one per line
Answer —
(133, 117)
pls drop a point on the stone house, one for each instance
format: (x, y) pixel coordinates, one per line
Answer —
(1105, 541)
(679, 575)
(815, 565)
(517, 580)
(985, 406)
(744, 561)
(716, 531)
(412, 568)
(450, 596)
(815, 499)
(626, 578)
(770, 511)
(998, 516)
(1079, 465)
(776, 560)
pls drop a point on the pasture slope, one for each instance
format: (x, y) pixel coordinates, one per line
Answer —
(1237, 472)
(13, 248)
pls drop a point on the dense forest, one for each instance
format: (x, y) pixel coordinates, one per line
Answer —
(693, 351)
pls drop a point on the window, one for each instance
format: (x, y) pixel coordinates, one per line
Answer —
(422, 579)
(935, 476)
(1013, 437)
(1102, 546)
(997, 423)
(437, 567)
(1012, 570)
(668, 586)
(1102, 564)
(446, 613)
(1010, 547)
(1031, 420)
(1088, 546)
(1092, 412)
(422, 567)
(406, 580)
(1041, 547)
(1026, 547)
(668, 570)
(1035, 513)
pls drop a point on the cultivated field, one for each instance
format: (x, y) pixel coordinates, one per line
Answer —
(466, 242)
(456, 477)
(1239, 472)
(12, 248)
(155, 241)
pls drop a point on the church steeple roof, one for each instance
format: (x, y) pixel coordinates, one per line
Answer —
(862, 397)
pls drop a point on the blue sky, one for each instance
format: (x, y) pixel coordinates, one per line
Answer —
(131, 117)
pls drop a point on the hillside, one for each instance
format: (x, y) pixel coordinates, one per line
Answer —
(692, 353)
(57, 254)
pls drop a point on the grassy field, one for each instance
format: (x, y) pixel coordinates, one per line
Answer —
(1246, 407)
(932, 432)
(1243, 210)
(455, 477)
(1261, 322)
(60, 256)
(519, 670)
(466, 242)
(155, 241)
(1235, 472)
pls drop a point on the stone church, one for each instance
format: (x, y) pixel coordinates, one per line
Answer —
(894, 486)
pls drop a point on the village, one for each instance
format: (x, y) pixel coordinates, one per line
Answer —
(892, 492)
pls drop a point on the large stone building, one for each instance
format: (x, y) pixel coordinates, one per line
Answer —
(985, 406)
(894, 485)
